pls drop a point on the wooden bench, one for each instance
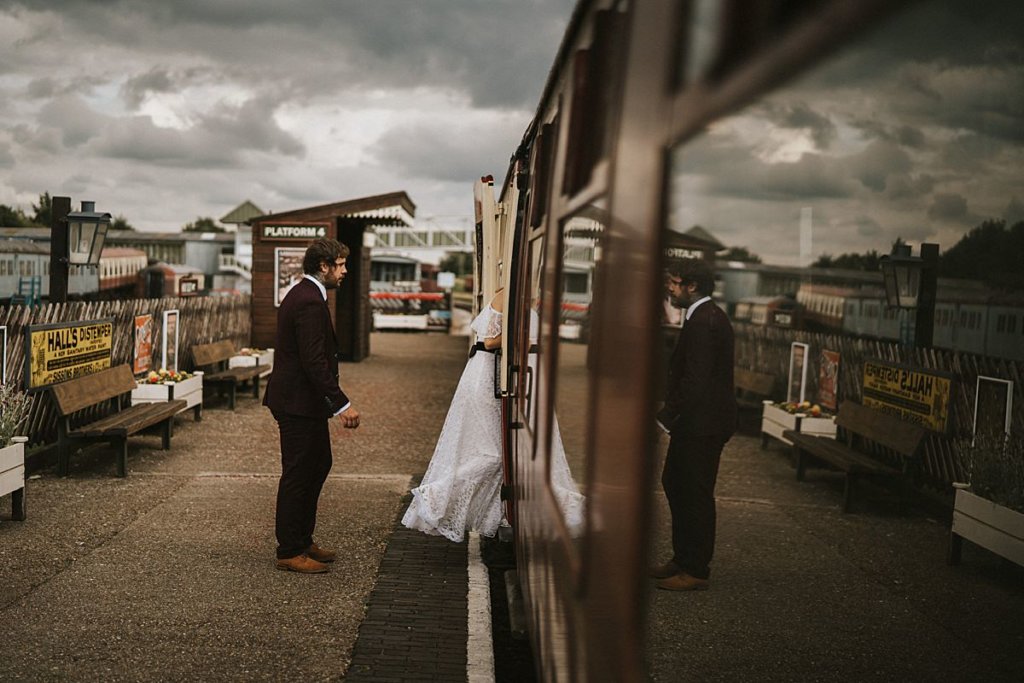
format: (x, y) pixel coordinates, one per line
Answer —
(752, 387)
(861, 424)
(12, 477)
(213, 359)
(97, 407)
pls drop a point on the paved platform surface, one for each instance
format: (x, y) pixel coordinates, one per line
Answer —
(169, 575)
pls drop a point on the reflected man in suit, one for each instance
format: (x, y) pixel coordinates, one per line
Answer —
(700, 414)
(303, 394)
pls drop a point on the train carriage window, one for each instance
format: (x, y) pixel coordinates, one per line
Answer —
(580, 248)
(906, 133)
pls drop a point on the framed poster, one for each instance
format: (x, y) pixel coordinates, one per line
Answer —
(142, 359)
(170, 357)
(797, 385)
(993, 406)
(828, 379)
(287, 270)
(56, 352)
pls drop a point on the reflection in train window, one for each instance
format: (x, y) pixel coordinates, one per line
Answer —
(531, 380)
(580, 251)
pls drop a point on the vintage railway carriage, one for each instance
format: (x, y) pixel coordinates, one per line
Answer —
(627, 145)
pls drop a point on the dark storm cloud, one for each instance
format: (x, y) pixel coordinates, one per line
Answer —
(493, 50)
(445, 151)
(800, 116)
(877, 163)
(135, 89)
(948, 206)
(1014, 212)
(221, 138)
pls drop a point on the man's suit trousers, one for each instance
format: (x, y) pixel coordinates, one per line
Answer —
(305, 462)
(691, 468)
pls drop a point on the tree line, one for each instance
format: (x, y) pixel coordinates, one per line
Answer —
(42, 213)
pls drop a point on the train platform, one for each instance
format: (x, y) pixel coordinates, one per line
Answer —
(169, 575)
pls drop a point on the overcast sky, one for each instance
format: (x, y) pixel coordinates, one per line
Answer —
(166, 110)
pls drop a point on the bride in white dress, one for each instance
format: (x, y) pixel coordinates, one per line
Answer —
(461, 488)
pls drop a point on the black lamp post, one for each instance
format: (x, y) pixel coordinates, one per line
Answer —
(910, 282)
(76, 238)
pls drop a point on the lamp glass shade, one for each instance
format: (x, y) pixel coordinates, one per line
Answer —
(80, 236)
(908, 282)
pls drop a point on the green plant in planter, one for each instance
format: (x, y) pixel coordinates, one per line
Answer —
(14, 407)
(995, 467)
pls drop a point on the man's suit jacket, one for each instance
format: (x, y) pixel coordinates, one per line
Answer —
(700, 398)
(305, 377)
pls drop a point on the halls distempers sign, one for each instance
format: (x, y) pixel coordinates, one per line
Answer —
(910, 393)
(294, 232)
(61, 351)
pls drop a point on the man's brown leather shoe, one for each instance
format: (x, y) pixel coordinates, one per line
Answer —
(683, 582)
(302, 564)
(663, 571)
(321, 554)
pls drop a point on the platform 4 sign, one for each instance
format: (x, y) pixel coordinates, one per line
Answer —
(294, 232)
(910, 393)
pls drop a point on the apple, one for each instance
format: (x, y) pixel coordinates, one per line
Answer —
(815, 410)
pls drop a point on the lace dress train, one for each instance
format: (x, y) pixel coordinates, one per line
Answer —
(460, 490)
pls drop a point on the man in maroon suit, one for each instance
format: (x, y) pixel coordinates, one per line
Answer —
(700, 414)
(303, 394)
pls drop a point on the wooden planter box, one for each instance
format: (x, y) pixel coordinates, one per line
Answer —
(775, 420)
(987, 524)
(265, 358)
(191, 391)
(12, 475)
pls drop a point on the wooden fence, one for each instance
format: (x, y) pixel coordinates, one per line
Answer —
(767, 350)
(200, 320)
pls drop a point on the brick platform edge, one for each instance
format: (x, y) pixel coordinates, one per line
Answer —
(415, 624)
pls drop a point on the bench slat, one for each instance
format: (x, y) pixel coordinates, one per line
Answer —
(835, 453)
(758, 383)
(130, 420)
(210, 354)
(236, 374)
(82, 392)
(886, 430)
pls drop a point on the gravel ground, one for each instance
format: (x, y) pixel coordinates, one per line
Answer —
(169, 574)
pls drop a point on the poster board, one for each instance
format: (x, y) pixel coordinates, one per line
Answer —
(796, 387)
(828, 380)
(170, 346)
(287, 270)
(142, 356)
(914, 394)
(993, 406)
(57, 352)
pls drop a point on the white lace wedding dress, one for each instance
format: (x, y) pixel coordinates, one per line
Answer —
(461, 487)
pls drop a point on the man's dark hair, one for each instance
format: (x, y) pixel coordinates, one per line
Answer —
(695, 271)
(322, 250)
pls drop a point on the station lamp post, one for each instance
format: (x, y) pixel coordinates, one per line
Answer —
(910, 282)
(76, 238)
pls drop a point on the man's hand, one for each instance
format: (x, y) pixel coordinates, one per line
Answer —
(350, 418)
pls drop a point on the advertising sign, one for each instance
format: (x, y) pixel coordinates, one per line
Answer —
(58, 352)
(287, 271)
(797, 385)
(142, 358)
(170, 340)
(828, 379)
(910, 393)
